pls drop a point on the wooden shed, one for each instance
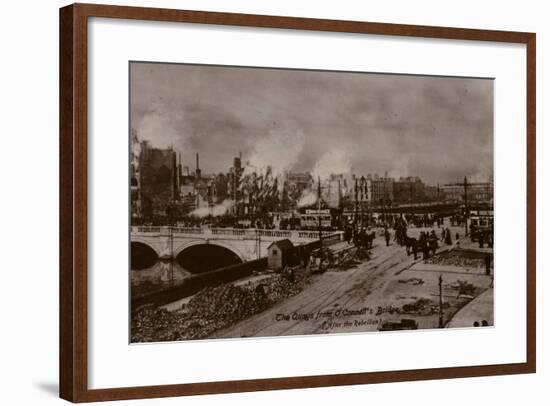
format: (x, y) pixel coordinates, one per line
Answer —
(279, 254)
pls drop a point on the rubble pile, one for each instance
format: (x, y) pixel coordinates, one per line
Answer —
(412, 281)
(422, 307)
(212, 309)
(464, 288)
(350, 259)
(419, 307)
(155, 325)
(456, 260)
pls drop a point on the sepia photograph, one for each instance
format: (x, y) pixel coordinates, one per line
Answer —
(270, 202)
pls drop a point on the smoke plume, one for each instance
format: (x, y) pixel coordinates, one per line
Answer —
(334, 162)
(274, 155)
(308, 198)
(135, 148)
(158, 125)
(214, 211)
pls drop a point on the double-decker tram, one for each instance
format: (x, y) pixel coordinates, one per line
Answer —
(310, 219)
(480, 222)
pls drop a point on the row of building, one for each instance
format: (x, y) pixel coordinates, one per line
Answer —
(162, 186)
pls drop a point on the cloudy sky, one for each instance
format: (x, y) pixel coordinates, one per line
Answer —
(438, 128)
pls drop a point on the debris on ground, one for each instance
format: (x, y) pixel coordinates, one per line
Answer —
(464, 288)
(213, 308)
(412, 281)
(351, 258)
(456, 260)
(419, 307)
(422, 307)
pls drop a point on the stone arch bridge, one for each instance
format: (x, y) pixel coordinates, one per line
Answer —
(247, 244)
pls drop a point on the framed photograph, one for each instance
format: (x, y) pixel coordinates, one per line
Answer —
(255, 202)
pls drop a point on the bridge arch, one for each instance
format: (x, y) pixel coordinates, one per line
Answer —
(205, 255)
(142, 255)
(228, 246)
(144, 241)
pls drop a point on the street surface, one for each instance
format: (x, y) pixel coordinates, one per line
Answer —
(361, 298)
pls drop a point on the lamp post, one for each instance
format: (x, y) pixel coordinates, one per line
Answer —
(356, 203)
(390, 208)
(383, 214)
(319, 211)
(466, 211)
(440, 301)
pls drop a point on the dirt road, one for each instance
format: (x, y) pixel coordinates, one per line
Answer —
(336, 301)
(390, 286)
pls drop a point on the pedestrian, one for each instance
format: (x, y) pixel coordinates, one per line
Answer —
(433, 242)
(415, 248)
(387, 236)
(348, 234)
(448, 240)
(481, 239)
(370, 238)
(355, 238)
(423, 240)
(363, 238)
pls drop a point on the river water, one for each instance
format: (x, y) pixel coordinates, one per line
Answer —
(161, 276)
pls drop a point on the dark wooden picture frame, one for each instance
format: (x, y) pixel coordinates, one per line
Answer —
(73, 201)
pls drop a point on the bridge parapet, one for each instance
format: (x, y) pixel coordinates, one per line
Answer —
(296, 236)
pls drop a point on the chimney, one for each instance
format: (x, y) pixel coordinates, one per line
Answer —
(198, 171)
(178, 173)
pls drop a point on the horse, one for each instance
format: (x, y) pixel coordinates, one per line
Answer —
(369, 238)
(410, 244)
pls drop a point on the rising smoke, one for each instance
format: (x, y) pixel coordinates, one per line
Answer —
(274, 155)
(159, 126)
(135, 149)
(214, 211)
(308, 198)
(334, 162)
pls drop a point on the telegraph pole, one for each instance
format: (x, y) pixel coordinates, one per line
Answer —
(384, 215)
(319, 211)
(440, 301)
(355, 211)
(235, 191)
(361, 188)
(171, 240)
(259, 240)
(466, 211)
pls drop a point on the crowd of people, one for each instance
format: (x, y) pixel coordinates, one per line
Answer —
(427, 243)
